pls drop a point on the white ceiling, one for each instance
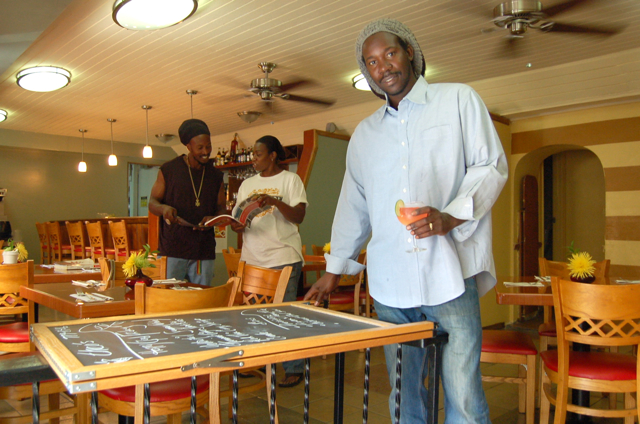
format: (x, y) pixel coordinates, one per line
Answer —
(216, 51)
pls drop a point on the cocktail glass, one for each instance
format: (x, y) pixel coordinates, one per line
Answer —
(403, 212)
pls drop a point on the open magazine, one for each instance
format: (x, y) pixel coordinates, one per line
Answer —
(244, 212)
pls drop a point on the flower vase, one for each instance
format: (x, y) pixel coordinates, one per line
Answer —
(587, 280)
(138, 278)
(10, 257)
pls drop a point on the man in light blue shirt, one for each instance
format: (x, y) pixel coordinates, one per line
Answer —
(436, 144)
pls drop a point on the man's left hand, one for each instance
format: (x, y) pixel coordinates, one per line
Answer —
(435, 224)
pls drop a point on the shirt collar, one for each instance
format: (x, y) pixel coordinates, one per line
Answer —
(418, 94)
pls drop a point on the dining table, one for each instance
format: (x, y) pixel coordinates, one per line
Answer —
(45, 274)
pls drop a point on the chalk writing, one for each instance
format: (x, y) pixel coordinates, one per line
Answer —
(139, 337)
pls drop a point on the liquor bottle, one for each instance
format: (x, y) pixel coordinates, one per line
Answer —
(234, 148)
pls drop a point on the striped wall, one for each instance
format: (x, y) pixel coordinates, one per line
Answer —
(615, 139)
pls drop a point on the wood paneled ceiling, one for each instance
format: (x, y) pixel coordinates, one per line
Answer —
(216, 51)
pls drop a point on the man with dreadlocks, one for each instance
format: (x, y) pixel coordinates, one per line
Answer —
(433, 143)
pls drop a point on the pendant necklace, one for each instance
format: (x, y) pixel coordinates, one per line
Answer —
(194, 186)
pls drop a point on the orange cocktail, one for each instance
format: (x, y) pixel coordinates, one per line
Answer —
(406, 218)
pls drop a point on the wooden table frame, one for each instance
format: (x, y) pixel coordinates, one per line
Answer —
(80, 378)
(43, 275)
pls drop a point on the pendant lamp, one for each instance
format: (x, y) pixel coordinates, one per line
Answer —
(192, 93)
(147, 152)
(82, 166)
(152, 14)
(113, 160)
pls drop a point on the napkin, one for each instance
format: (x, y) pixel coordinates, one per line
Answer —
(88, 283)
(186, 288)
(92, 297)
(546, 279)
(169, 281)
(523, 284)
(628, 281)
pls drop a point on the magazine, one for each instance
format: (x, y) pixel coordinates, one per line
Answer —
(244, 212)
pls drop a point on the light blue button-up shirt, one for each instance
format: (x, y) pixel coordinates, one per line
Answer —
(440, 147)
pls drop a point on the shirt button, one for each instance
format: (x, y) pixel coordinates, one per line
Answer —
(404, 190)
(404, 166)
(402, 122)
(403, 143)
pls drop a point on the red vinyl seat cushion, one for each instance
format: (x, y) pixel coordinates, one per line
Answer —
(341, 298)
(594, 365)
(548, 329)
(505, 341)
(162, 391)
(16, 332)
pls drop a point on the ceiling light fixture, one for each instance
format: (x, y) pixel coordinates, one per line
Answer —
(3, 115)
(147, 152)
(82, 166)
(165, 138)
(360, 83)
(192, 93)
(43, 78)
(113, 159)
(249, 116)
(152, 14)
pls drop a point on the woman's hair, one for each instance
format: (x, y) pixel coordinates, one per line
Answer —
(273, 145)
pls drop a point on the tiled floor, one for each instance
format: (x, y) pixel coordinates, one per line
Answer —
(253, 407)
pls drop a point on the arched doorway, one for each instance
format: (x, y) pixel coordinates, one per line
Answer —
(571, 185)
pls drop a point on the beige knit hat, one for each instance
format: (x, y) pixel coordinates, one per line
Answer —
(404, 33)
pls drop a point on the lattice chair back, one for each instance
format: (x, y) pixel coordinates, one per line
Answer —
(120, 238)
(14, 336)
(45, 247)
(259, 285)
(79, 247)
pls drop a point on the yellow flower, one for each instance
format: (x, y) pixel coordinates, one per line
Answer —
(581, 265)
(327, 248)
(23, 255)
(130, 268)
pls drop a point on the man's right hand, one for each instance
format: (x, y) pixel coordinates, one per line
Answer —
(323, 287)
(169, 214)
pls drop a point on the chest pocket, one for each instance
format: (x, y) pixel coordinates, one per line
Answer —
(434, 151)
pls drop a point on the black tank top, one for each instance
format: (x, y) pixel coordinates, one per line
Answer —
(178, 241)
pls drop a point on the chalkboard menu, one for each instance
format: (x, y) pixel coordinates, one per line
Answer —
(131, 339)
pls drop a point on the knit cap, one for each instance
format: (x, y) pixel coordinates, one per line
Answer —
(404, 33)
(192, 128)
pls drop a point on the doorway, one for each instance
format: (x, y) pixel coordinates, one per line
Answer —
(141, 179)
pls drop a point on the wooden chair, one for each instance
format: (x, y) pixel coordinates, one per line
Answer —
(174, 396)
(96, 241)
(257, 285)
(231, 260)
(113, 275)
(120, 239)
(596, 315)
(58, 250)
(14, 337)
(45, 247)
(547, 330)
(79, 248)
(513, 347)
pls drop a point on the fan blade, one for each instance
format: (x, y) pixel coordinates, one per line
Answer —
(286, 87)
(295, 98)
(561, 7)
(558, 27)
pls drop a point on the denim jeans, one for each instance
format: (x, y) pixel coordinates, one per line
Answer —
(296, 366)
(464, 397)
(187, 268)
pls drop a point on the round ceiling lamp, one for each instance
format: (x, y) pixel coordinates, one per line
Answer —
(3, 115)
(43, 78)
(249, 116)
(360, 83)
(152, 14)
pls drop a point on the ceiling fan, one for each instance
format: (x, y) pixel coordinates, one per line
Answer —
(519, 15)
(271, 88)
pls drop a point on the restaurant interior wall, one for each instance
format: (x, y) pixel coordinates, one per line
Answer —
(612, 133)
(44, 185)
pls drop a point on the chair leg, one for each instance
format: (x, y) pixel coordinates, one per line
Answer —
(544, 345)
(545, 405)
(522, 390)
(531, 389)
(629, 403)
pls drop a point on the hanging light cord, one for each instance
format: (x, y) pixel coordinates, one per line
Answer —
(111, 122)
(147, 111)
(191, 96)
(83, 144)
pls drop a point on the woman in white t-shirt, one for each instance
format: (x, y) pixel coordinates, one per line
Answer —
(273, 240)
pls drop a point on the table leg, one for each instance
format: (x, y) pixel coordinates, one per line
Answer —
(396, 417)
(35, 402)
(338, 394)
(307, 379)
(367, 370)
(194, 389)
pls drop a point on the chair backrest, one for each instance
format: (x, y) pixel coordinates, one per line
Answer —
(233, 250)
(12, 277)
(76, 238)
(96, 239)
(55, 239)
(151, 300)
(561, 269)
(160, 270)
(120, 238)
(231, 260)
(317, 250)
(45, 246)
(352, 280)
(596, 314)
(257, 285)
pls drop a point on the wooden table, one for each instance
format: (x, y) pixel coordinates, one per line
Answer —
(49, 275)
(98, 354)
(524, 296)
